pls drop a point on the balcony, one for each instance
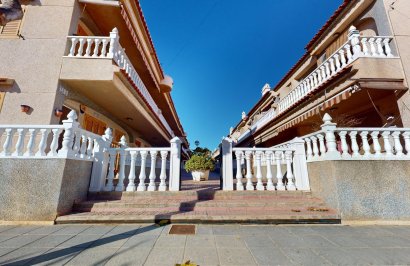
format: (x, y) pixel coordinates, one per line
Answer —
(358, 51)
(99, 68)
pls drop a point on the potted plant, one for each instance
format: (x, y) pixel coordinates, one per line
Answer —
(200, 165)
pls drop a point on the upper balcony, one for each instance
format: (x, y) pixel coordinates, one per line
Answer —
(99, 68)
(372, 57)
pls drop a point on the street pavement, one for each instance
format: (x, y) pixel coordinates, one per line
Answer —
(211, 245)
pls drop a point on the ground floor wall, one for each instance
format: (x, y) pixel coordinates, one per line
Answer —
(41, 189)
(363, 190)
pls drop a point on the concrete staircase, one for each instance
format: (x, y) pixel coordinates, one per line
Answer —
(202, 206)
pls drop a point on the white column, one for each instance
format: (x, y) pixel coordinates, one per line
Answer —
(121, 175)
(101, 161)
(406, 136)
(380, 50)
(110, 177)
(329, 129)
(249, 184)
(80, 48)
(175, 168)
(131, 176)
(96, 47)
(227, 164)
(20, 142)
(366, 146)
(376, 144)
(8, 142)
(83, 147)
(259, 184)
(70, 126)
(54, 142)
(322, 146)
(299, 165)
(309, 152)
(387, 145)
(270, 185)
(289, 172)
(345, 148)
(142, 176)
(315, 147)
(355, 147)
(152, 175)
(239, 176)
(279, 175)
(74, 42)
(32, 132)
(397, 145)
(387, 48)
(163, 175)
(114, 42)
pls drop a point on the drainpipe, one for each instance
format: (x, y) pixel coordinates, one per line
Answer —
(101, 2)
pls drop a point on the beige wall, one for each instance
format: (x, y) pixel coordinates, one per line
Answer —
(35, 61)
(398, 13)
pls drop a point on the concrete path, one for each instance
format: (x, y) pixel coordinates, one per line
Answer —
(211, 245)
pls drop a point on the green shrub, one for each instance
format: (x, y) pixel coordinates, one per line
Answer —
(199, 162)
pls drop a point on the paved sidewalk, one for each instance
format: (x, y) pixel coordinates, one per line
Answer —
(211, 245)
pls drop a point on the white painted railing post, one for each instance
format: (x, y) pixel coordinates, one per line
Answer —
(329, 129)
(114, 41)
(123, 156)
(100, 164)
(175, 161)
(299, 165)
(227, 164)
(70, 127)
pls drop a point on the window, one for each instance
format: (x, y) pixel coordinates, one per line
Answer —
(12, 29)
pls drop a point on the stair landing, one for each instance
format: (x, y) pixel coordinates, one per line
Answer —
(202, 205)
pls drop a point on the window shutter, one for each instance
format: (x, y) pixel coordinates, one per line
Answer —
(11, 29)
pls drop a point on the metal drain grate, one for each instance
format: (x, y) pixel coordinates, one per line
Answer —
(182, 229)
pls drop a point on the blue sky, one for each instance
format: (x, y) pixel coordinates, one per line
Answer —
(220, 53)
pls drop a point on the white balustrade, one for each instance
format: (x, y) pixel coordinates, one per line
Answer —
(357, 143)
(42, 141)
(356, 47)
(109, 48)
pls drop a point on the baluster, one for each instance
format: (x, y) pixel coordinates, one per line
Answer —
(279, 175)
(322, 146)
(131, 176)
(387, 48)
(332, 66)
(397, 145)
(342, 58)
(20, 142)
(312, 82)
(345, 148)
(308, 148)
(96, 47)
(249, 184)
(90, 147)
(54, 142)
(315, 147)
(104, 48)
(380, 50)
(315, 80)
(323, 73)
(121, 175)
(239, 176)
(269, 158)
(349, 53)
(259, 184)
(376, 144)
(387, 146)
(152, 175)
(83, 146)
(364, 46)
(110, 177)
(77, 140)
(337, 62)
(74, 42)
(88, 50)
(372, 47)
(163, 174)
(289, 173)
(8, 142)
(327, 67)
(80, 48)
(355, 147)
(319, 77)
(366, 146)
(142, 176)
(31, 142)
(43, 142)
(406, 136)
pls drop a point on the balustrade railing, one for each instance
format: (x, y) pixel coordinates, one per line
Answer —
(109, 47)
(333, 143)
(356, 47)
(32, 141)
(265, 168)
